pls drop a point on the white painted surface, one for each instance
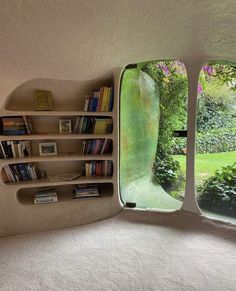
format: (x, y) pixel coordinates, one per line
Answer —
(80, 40)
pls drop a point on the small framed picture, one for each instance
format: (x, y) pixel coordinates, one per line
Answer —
(43, 100)
(48, 149)
(65, 126)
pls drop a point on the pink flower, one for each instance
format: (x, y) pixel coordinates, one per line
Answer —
(208, 69)
(165, 70)
(199, 88)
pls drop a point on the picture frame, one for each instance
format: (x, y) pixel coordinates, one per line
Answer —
(65, 126)
(48, 149)
(43, 100)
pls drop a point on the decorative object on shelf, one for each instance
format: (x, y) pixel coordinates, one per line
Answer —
(43, 100)
(48, 149)
(63, 177)
(65, 126)
(46, 195)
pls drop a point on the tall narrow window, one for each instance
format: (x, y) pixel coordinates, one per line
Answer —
(216, 140)
(153, 121)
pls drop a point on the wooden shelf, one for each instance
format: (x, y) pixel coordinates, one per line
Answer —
(47, 183)
(55, 136)
(55, 113)
(59, 157)
(68, 100)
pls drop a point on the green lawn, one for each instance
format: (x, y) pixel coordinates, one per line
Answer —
(207, 164)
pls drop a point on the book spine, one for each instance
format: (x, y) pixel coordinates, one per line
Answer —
(101, 92)
(86, 103)
(13, 149)
(111, 99)
(4, 156)
(9, 148)
(104, 99)
(26, 125)
(45, 200)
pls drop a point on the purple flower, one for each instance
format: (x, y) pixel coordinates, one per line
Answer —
(165, 70)
(208, 69)
(199, 88)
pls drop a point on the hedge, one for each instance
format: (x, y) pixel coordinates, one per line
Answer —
(212, 141)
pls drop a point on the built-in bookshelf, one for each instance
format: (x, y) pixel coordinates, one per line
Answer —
(90, 149)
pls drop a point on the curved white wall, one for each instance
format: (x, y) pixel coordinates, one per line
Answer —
(81, 40)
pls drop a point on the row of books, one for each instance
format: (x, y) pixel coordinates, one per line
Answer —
(98, 168)
(83, 124)
(96, 125)
(20, 172)
(86, 191)
(97, 146)
(16, 125)
(46, 195)
(15, 149)
(99, 100)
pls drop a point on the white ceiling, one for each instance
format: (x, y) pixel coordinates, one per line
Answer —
(83, 39)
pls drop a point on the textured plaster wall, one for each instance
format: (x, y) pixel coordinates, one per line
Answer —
(86, 39)
(83, 39)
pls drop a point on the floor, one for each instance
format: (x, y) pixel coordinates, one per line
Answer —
(136, 250)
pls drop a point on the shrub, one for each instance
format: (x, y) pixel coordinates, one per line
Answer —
(218, 193)
(212, 141)
(212, 116)
(166, 171)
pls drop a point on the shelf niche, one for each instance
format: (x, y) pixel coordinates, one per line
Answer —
(67, 95)
(66, 149)
(69, 101)
(64, 193)
(59, 167)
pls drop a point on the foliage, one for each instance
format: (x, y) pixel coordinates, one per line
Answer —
(218, 93)
(222, 71)
(216, 98)
(171, 80)
(166, 171)
(219, 191)
(207, 164)
(212, 141)
(212, 116)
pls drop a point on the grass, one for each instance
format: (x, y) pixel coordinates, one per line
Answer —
(207, 164)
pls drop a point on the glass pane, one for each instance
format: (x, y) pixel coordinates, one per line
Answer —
(153, 134)
(216, 141)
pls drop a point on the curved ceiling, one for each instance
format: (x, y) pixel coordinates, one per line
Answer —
(83, 39)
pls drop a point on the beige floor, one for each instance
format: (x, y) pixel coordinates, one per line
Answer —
(132, 251)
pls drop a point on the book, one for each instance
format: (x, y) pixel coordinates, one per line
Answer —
(103, 125)
(44, 200)
(13, 125)
(86, 191)
(63, 177)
